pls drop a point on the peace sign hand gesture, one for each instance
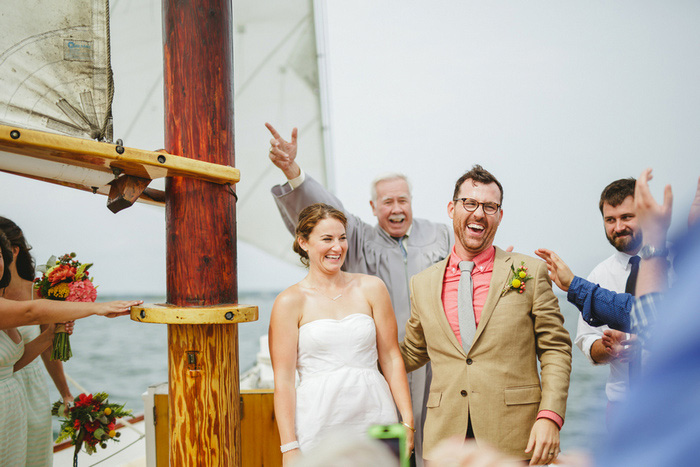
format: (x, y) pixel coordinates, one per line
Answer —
(284, 153)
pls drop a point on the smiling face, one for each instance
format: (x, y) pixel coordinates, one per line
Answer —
(326, 245)
(393, 207)
(475, 230)
(621, 226)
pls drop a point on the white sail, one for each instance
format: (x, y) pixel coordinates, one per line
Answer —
(276, 80)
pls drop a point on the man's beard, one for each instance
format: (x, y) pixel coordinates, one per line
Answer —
(625, 241)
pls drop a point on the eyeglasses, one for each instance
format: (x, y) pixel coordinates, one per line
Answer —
(471, 205)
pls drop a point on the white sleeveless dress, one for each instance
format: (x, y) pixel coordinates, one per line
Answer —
(13, 409)
(33, 380)
(340, 389)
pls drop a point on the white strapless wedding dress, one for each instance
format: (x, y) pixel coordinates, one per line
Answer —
(340, 389)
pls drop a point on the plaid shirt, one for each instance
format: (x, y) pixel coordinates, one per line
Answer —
(644, 315)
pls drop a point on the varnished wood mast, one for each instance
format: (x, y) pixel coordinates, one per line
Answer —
(201, 233)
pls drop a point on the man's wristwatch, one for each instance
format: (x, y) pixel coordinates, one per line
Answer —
(649, 251)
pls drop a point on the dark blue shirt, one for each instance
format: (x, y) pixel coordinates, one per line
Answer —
(599, 306)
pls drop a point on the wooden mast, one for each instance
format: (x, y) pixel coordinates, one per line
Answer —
(201, 233)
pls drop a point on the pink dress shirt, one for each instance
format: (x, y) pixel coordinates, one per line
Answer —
(481, 278)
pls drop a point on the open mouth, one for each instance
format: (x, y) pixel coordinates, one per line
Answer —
(476, 229)
(397, 219)
(333, 257)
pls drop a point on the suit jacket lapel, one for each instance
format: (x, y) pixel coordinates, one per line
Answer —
(501, 274)
(436, 303)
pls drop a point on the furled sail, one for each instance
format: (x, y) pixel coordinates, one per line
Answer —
(54, 67)
(56, 77)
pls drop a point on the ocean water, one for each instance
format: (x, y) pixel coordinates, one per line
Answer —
(123, 357)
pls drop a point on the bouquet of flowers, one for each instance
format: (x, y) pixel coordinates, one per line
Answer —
(91, 419)
(64, 279)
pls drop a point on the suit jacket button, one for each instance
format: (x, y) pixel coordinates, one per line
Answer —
(469, 361)
(463, 393)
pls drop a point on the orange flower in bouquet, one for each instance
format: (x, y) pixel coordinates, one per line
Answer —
(65, 279)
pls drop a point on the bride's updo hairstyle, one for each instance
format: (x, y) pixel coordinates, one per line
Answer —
(309, 217)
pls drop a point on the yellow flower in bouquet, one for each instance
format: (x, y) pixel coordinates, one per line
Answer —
(59, 292)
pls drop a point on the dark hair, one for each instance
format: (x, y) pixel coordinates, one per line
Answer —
(25, 262)
(309, 217)
(615, 193)
(7, 260)
(477, 174)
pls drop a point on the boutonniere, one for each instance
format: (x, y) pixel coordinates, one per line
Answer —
(518, 279)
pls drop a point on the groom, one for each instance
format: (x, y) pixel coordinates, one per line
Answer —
(483, 333)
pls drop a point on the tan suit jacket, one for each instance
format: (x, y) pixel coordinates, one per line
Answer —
(497, 383)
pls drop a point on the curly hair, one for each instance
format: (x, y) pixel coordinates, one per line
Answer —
(478, 174)
(309, 217)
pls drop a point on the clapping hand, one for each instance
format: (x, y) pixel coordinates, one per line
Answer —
(618, 346)
(694, 214)
(558, 270)
(654, 218)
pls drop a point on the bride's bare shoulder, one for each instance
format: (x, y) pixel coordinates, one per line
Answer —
(292, 296)
(369, 284)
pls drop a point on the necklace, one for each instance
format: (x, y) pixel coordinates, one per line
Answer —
(329, 298)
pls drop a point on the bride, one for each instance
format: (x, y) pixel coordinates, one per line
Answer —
(333, 327)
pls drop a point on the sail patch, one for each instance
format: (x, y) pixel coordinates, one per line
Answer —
(77, 51)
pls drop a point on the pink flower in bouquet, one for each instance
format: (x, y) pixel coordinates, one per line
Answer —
(82, 291)
(61, 273)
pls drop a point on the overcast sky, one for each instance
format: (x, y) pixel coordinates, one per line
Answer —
(555, 98)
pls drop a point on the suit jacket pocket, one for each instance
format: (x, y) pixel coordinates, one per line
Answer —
(434, 399)
(523, 395)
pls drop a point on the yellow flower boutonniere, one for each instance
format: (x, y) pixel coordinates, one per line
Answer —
(518, 279)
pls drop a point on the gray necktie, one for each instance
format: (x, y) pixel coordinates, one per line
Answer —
(402, 247)
(465, 306)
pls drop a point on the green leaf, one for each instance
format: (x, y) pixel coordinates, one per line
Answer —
(62, 436)
(81, 270)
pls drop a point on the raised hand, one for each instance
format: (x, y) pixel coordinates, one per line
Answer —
(654, 218)
(558, 270)
(283, 153)
(694, 215)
